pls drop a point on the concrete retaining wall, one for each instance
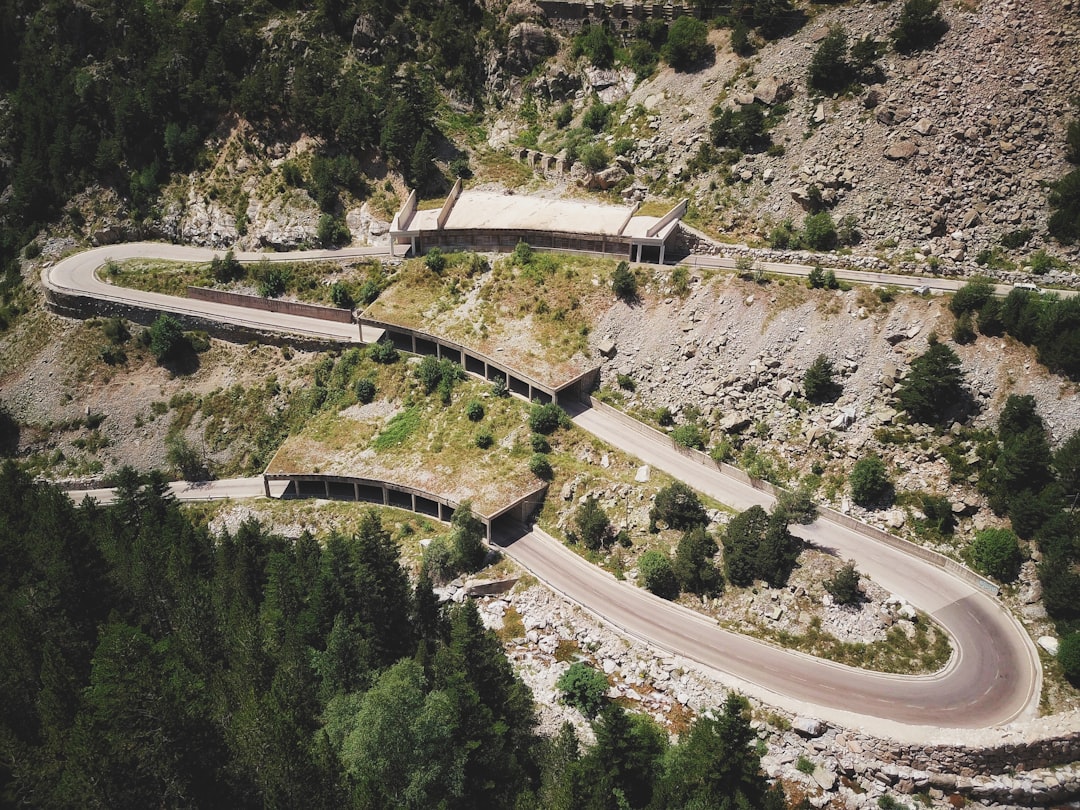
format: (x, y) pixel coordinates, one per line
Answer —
(78, 306)
(825, 512)
(271, 304)
(403, 496)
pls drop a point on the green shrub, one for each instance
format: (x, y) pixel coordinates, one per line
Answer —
(990, 321)
(972, 296)
(624, 282)
(199, 341)
(437, 561)
(592, 525)
(115, 330)
(690, 435)
(546, 418)
(625, 382)
(474, 410)
(939, 513)
(664, 416)
(539, 443)
(1068, 656)
(522, 254)
(332, 231)
(272, 281)
(740, 39)
(694, 565)
(340, 296)
(167, 339)
(484, 438)
(963, 331)
(819, 231)
(996, 553)
(870, 484)
(435, 261)
(797, 505)
(383, 352)
(365, 391)
(1017, 238)
(584, 688)
(540, 466)
(226, 269)
(594, 156)
(185, 459)
(819, 383)
(830, 71)
(1042, 262)
(597, 44)
(745, 129)
(919, 26)
(291, 174)
(687, 44)
(656, 574)
(112, 355)
(596, 117)
(563, 116)
(933, 388)
(844, 586)
(783, 236)
(679, 507)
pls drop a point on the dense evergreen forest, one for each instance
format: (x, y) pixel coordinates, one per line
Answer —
(149, 663)
(123, 93)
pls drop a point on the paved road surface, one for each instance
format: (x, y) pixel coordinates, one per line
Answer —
(189, 491)
(976, 690)
(993, 678)
(76, 274)
(858, 276)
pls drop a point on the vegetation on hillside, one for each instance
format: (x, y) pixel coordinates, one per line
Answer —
(150, 663)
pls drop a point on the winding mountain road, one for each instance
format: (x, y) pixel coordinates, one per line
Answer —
(992, 679)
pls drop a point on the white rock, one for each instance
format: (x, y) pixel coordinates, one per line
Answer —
(1048, 643)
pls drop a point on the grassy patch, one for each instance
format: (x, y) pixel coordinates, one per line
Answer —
(412, 438)
(512, 626)
(538, 312)
(398, 430)
(305, 281)
(500, 167)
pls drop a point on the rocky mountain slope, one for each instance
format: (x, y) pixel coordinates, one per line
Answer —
(948, 152)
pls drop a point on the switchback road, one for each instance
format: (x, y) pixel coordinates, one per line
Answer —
(992, 679)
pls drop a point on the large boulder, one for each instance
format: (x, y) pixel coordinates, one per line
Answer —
(901, 150)
(808, 726)
(528, 45)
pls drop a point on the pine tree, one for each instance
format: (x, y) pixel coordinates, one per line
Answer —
(694, 566)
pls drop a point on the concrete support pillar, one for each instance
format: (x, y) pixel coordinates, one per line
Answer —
(413, 242)
(326, 489)
(412, 500)
(356, 492)
(662, 252)
(266, 486)
(530, 392)
(385, 496)
(413, 339)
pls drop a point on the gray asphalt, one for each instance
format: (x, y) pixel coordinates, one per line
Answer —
(992, 679)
